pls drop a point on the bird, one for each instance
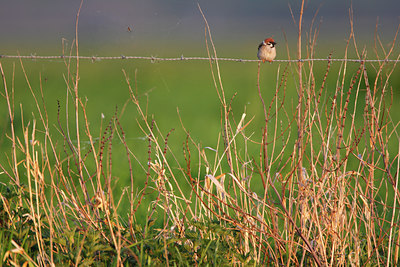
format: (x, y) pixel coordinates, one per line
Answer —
(267, 50)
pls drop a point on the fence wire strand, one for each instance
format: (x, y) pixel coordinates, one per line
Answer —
(183, 58)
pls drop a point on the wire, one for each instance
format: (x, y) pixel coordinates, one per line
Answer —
(182, 58)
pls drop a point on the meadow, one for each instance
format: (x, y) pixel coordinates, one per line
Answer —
(134, 162)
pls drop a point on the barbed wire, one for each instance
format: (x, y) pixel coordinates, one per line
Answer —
(183, 58)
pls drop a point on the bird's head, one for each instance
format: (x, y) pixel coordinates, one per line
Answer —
(269, 42)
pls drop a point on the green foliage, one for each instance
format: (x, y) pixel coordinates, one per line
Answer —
(16, 226)
(217, 243)
(210, 242)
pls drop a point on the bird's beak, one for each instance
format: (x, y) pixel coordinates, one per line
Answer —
(274, 43)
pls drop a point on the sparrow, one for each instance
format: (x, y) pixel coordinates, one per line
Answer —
(266, 50)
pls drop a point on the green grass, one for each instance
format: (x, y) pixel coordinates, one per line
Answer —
(163, 89)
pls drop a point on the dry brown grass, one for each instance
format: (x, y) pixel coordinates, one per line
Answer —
(327, 199)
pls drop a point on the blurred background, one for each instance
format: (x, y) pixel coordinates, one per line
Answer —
(170, 29)
(176, 94)
(161, 27)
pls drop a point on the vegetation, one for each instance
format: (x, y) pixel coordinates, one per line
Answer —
(317, 185)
